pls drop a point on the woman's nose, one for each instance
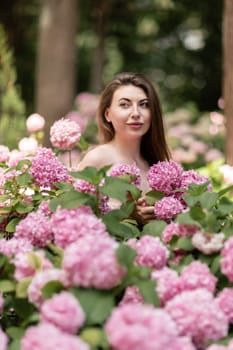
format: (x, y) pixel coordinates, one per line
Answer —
(135, 111)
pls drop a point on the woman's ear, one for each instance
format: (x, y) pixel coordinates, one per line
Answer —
(106, 115)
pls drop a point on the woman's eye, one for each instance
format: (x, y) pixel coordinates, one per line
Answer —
(124, 104)
(144, 104)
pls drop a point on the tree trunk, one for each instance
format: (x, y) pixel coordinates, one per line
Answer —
(55, 87)
(228, 77)
(100, 13)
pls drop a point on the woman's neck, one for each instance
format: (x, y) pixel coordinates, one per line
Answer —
(129, 151)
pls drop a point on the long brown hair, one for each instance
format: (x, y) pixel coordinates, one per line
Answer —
(154, 147)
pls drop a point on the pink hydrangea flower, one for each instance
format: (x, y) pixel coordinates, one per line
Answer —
(225, 302)
(191, 176)
(44, 209)
(35, 122)
(3, 340)
(36, 228)
(168, 208)
(45, 336)
(140, 326)
(183, 343)
(40, 279)
(92, 262)
(10, 247)
(15, 157)
(69, 225)
(28, 145)
(197, 275)
(77, 118)
(65, 134)
(176, 229)
(151, 251)
(126, 169)
(87, 104)
(197, 315)
(64, 311)
(165, 176)
(46, 169)
(84, 186)
(167, 283)
(217, 347)
(208, 243)
(23, 268)
(4, 154)
(227, 259)
(131, 295)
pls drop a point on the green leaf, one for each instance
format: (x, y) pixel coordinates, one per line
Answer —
(97, 304)
(10, 227)
(115, 227)
(148, 292)
(208, 199)
(73, 199)
(154, 228)
(91, 174)
(95, 337)
(7, 286)
(51, 288)
(116, 187)
(22, 287)
(197, 189)
(15, 332)
(153, 196)
(24, 179)
(23, 208)
(23, 308)
(215, 266)
(185, 218)
(185, 243)
(15, 345)
(34, 260)
(21, 164)
(197, 213)
(126, 255)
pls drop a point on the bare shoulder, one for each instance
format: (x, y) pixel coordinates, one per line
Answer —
(98, 157)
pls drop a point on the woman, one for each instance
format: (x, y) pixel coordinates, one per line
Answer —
(131, 131)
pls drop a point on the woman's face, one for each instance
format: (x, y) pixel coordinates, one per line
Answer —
(129, 112)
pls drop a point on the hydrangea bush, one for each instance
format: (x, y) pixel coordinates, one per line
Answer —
(77, 273)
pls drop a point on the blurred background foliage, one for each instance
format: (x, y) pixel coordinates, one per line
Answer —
(178, 44)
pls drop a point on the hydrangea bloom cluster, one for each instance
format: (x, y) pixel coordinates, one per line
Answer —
(197, 275)
(63, 311)
(225, 302)
(131, 295)
(23, 266)
(165, 177)
(92, 262)
(127, 169)
(65, 134)
(10, 247)
(46, 336)
(151, 251)
(180, 230)
(44, 209)
(167, 283)
(227, 259)
(140, 326)
(84, 186)
(68, 225)
(35, 122)
(36, 228)
(3, 340)
(197, 314)
(46, 169)
(4, 154)
(168, 208)
(208, 243)
(169, 178)
(40, 279)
